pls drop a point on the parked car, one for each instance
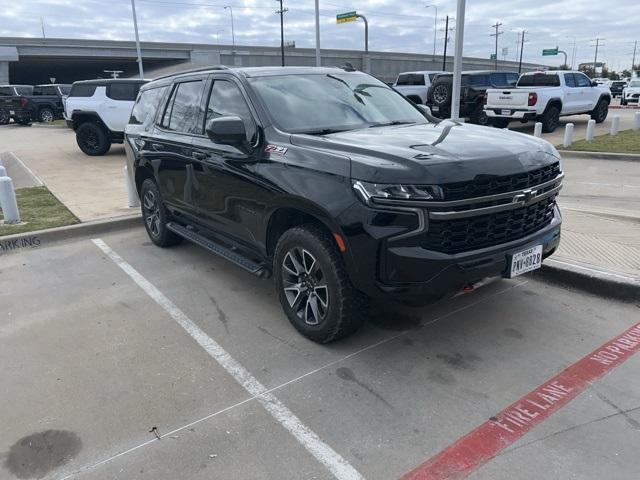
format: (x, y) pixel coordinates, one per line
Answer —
(631, 93)
(617, 86)
(7, 92)
(415, 85)
(472, 95)
(98, 111)
(42, 103)
(338, 187)
(546, 96)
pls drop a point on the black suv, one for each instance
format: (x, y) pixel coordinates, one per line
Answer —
(472, 95)
(339, 187)
(617, 87)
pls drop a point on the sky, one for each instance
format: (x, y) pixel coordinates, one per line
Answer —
(394, 25)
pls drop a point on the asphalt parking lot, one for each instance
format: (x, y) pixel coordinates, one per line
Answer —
(108, 345)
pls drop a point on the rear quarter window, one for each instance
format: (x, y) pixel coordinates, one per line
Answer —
(82, 90)
(146, 106)
(539, 80)
(410, 79)
(123, 91)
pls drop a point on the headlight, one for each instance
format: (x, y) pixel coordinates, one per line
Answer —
(385, 191)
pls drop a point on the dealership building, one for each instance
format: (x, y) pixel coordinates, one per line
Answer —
(59, 60)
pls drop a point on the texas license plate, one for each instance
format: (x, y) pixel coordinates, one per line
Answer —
(505, 112)
(525, 261)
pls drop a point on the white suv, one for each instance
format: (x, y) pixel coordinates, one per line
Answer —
(98, 111)
(631, 93)
(414, 85)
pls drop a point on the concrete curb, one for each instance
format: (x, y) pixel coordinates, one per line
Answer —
(602, 283)
(627, 157)
(45, 238)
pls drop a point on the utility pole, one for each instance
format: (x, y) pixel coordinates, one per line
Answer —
(595, 58)
(282, 12)
(42, 25)
(135, 27)
(521, 50)
(318, 60)
(633, 62)
(113, 73)
(446, 40)
(497, 34)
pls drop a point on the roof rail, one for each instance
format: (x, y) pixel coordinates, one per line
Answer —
(194, 70)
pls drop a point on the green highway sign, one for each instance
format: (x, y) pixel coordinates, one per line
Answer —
(493, 56)
(550, 51)
(346, 17)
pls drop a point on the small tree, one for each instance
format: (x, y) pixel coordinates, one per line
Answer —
(625, 73)
(564, 66)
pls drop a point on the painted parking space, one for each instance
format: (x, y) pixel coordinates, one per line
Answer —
(411, 383)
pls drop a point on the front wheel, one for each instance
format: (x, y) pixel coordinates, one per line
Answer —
(155, 215)
(46, 115)
(313, 286)
(599, 114)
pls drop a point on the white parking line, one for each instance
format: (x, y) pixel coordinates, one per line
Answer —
(337, 465)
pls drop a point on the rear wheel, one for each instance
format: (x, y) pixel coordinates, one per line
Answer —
(4, 117)
(46, 115)
(313, 285)
(550, 119)
(93, 139)
(599, 114)
(155, 215)
(479, 116)
(622, 101)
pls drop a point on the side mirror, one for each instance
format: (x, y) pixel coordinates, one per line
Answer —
(594, 83)
(227, 131)
(424, 109)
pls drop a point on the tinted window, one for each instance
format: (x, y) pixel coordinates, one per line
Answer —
(226, 99)
(539, 80)
(123, 91)
(6, 91)
(410, 79)
(64, 89)
(82, 90)
(503, 79)
(569, 80)
(479, 80)
(182, 112)
(145, 108)
(582, 80)
(46, 90)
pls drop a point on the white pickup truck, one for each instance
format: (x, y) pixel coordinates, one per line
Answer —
(414, 85)
(545, 97)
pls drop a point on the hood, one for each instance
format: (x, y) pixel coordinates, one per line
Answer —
(434, 153)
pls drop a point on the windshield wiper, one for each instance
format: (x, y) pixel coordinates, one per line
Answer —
(389, 124)
(324, 131)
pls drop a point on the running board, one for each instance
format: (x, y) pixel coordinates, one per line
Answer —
(259, 269)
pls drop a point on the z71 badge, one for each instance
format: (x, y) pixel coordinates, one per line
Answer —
(278, 150)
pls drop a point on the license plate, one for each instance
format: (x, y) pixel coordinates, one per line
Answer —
(525, 261)
(435, 108)
(12, 112)
(505, 112)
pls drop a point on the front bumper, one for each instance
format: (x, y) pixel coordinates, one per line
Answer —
(513, 113)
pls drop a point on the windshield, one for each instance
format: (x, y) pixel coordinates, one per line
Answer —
(26, 90)
(318, 104)
(635, 83)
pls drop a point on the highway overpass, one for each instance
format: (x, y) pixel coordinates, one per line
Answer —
(37, 60)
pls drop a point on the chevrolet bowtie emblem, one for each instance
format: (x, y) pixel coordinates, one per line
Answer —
(526, 196)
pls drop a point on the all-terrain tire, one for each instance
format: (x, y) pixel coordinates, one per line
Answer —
(93, 139)
(155, 216)
(307, 258)
(479, 116)
(599, 114)
(550, 119)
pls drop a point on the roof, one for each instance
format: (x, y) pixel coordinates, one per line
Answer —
(54, 85)
(105, 81)
(422, 72)
(481, 72)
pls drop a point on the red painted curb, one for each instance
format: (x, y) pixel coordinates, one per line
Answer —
(482, 444)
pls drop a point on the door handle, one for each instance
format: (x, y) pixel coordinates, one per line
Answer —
(199, 155)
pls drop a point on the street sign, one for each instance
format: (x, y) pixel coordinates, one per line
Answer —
(550, 51)
(493, 56)
(346, 17)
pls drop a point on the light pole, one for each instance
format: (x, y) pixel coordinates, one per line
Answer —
(366, 42)
(135, 27)
(435, 28)
(457, 61)
(233, 35)
(318, 61)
